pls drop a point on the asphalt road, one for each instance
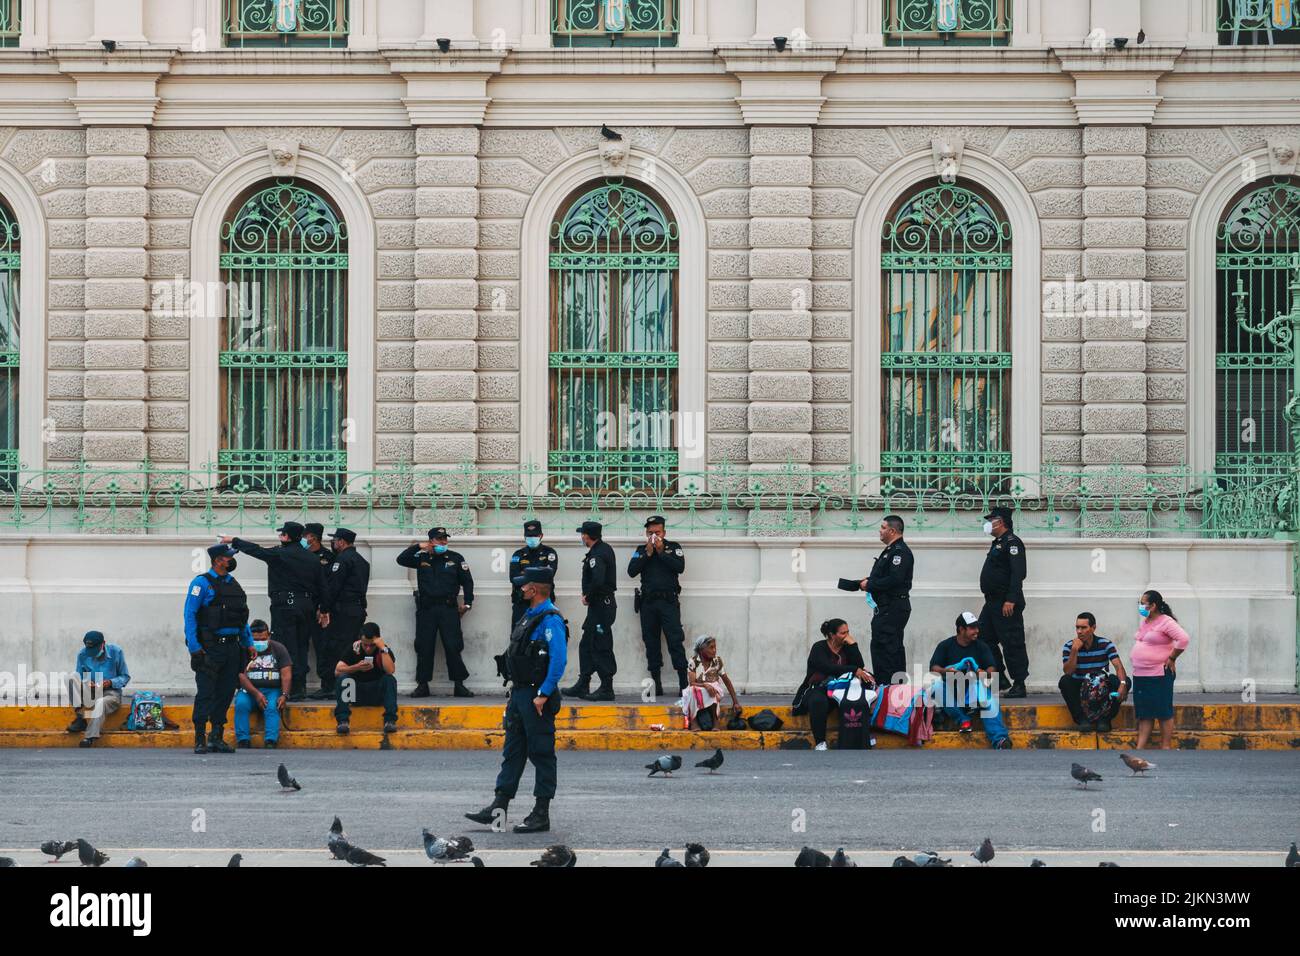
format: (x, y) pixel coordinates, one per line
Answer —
(1225, 807)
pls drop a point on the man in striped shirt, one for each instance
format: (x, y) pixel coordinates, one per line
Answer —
(1084, 658)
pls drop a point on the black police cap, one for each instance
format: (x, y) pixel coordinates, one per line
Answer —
(538, 574)
(655, 519)
(345, 534)
(591, 529)
(439, 534)
(999, 512)
(292, 529)
(312, 527)
(532, 527)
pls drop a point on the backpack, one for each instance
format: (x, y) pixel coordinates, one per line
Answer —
(765, 720)
(146, 712)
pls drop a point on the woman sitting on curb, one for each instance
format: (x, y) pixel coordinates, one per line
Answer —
(705, 679)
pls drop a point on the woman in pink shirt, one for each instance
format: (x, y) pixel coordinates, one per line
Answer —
(1159, 643)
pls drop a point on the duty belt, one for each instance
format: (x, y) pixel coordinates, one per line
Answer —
(211, 638)
(659, 595)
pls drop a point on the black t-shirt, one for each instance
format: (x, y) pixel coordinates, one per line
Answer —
(353, 656)
(949, 652)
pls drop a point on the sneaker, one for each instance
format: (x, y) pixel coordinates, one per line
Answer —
(343, 728)
(243, 744)
(390, 726)
(965, 727)
(820, 746)
(421, 690)
(77, 726)
(1003, 744)
(87, 742)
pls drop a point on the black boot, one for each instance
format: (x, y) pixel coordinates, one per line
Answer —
(298, 691)
(604, 692)
(1017, 690)
(200, 741)
(539, 821)
(216, 745)
(659, 687)
(421, 689)
(581, 687)
(681, 679)
(461, 690)
(495, 810)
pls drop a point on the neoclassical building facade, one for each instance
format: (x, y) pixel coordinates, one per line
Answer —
(846, 249)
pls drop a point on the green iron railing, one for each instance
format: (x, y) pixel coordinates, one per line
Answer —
(299, 23)
(1253, 22)
(721, 500)
(577, 23)
(10, 22)
(945, 359)
(937, 22)
(284, 360)
(613, 346)
(10, 326)
(1258, 248)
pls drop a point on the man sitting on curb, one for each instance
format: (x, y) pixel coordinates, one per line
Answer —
(1092, 693)
(364, 676)
(96, 687)
(963, 663)
(264, 684)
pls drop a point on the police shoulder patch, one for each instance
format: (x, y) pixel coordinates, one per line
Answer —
(336, 566)
(464, 565)
(592, 562)
(1014, 549)
(196, 590)
(679, 552)
(550, 557)
(898, 559)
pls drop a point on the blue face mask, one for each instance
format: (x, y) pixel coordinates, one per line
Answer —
(261, 646)
(1143, 611)
(303, 542)
(532, 542)
(440, 549)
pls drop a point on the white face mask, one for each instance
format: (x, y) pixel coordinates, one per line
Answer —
(988, 527)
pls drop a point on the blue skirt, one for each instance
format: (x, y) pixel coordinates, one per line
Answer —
(1153, 697)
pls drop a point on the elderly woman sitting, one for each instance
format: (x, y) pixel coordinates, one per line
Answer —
(703, 693)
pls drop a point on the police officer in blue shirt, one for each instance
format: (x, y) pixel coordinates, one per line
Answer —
(220, 644)
(535, 662)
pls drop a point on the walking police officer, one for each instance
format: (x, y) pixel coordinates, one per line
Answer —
(343, 598)
(535, 661)
(1002, 619)
(220, 645)
(658, 563)
(596, 648)
(312, 534)
(532, 555)
(440, 575)
(888, 588)
(292, 583)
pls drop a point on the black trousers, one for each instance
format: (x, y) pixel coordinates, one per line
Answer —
(290, 626)
(431, 622)
(1006, 634)
(819, 709)
(529, 737)
(316, 638)
(887, 655)
(214, 685)
(1072, 688)
(344, 629)
(662, 614)
(596, 648)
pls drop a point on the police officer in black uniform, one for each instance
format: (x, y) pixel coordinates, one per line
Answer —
(343, 598)
(659, 562)
(220, 645)
(440, 575)
(292, 584)
(889, 585)
(1002, 619)
(534, 662)
(312, 533)
(596, 648)
(532, 555)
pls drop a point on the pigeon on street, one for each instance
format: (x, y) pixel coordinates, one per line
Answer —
(1137, 764)
(666, 860)
(286, 782)
(697, 857)
(441, 850)
(810, 857)
(136, 861)
(57, 848)
(985, 853)
(714, 762)
(841, 859)
(665, 765)
(235, 860)
(556, 857)
(360, 857)
(88, 855)
(338, 844)
(1081, 773)
(1293, 858)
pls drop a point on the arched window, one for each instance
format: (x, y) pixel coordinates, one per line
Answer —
(284, 350)
(10, 256)
(945, 360)
(613, 340)
(1257, 256)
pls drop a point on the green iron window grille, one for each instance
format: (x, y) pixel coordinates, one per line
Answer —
(577, 23)
(275, 23)
(284, 353)
(10, 22)
(1253, 22)
(1258, 251)
(613, 340)
(944, 360)
(10, 256)
(937, 22)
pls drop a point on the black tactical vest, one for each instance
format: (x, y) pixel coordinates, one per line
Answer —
(527, 659)
(228, 608)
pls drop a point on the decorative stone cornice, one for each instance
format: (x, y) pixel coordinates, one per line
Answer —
(1117, 87)
(447, 89)
(780, 88)
(114, 89)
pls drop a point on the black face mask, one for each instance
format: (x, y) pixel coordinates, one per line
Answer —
(231, 567)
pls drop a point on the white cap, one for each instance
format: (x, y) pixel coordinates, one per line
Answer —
(967, 618)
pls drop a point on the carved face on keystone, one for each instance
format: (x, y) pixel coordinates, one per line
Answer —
(1284, 155)
(613, 153)
(282, 157)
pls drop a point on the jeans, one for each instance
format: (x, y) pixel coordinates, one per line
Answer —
(244, 705)
(369, 693)
(954, 694)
